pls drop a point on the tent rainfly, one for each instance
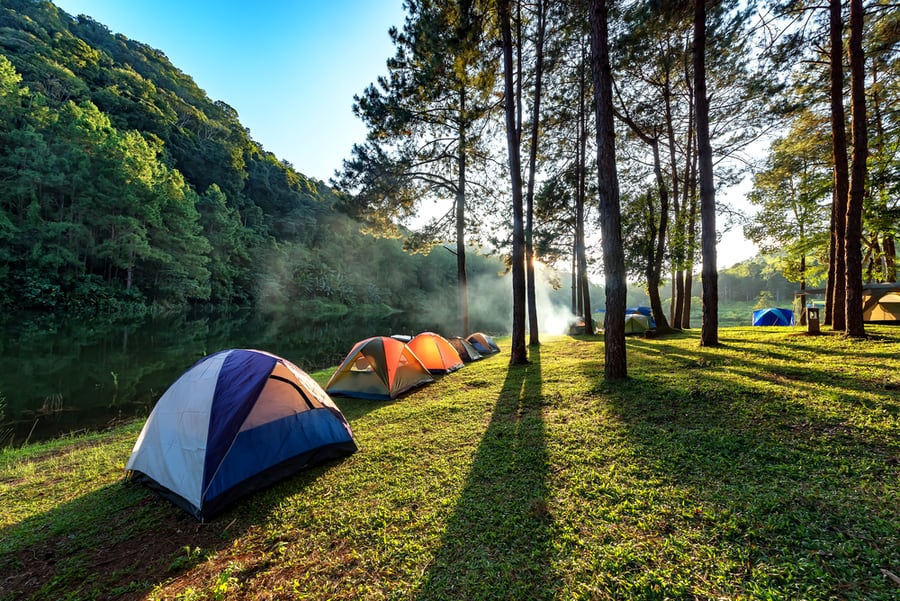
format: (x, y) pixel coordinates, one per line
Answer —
(483, 343)
(635, 323)
(436, 353)
(645, 311)
(464, 348)
(773, 316)
(235, 422)
(380, 368)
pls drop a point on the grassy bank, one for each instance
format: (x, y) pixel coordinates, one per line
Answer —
(768, 468)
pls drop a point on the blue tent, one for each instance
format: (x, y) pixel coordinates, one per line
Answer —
(235, 422)
(773, 317)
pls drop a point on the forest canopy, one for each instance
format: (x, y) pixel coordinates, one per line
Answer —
(124, 185)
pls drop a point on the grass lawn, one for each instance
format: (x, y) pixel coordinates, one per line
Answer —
(767, 468)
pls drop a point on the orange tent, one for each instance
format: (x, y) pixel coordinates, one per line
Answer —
(378, 368)
(436, 353)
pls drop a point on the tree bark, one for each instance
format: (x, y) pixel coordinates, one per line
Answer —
(615, 365)
(677, 304)
(888, 247)
(853, 236)
(689, 209)
(533, 335)
(654, 272)
(837, 269)
(709, 333)
(462, 283)
(518, 349)
(581, 195)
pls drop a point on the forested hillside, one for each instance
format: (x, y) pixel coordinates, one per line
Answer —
(125, 185)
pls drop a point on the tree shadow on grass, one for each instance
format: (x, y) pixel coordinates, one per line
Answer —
(122, 540)
(498, 543)
(792, 495)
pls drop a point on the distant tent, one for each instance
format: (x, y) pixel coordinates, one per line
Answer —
(483, 343)
(881, 307)
(464, 348)
(773, 316)
(233, 423)
(379, 368)
(577, 327)
(881, 302)
(646, 311)
(635, 323)
(436, 353)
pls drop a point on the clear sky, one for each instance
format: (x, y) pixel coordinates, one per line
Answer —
(289, 67)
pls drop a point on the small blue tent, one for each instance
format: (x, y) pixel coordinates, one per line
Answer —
(773, 317)
(233, 423)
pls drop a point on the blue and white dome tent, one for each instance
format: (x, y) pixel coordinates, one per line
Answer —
(235, 422)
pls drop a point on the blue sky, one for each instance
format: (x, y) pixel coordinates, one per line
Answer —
(289, 67)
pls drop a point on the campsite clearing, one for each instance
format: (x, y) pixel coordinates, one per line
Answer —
(766, 468)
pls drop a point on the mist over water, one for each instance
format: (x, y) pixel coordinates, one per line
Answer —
(67, 374)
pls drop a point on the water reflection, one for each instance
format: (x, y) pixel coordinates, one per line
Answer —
(59, 376)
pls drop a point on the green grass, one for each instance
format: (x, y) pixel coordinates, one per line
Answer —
(767, 468)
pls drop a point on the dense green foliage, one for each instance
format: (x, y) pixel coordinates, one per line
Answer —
(794, 187)
(123, 183)
(763, 469)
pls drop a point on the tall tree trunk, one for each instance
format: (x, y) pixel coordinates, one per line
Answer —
(832, 263)
(889, 249)
(654, 274)
(518, 348)
(575, 296)
(581, 195)
(853, 242)
(709, 333)
(677, 241)
(534, 338)
(616, 364)
(689, 208)
(841, 171)
(690, 244)
(462, 280)
(890, 258)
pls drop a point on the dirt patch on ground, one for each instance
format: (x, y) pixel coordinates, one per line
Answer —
(123, 570)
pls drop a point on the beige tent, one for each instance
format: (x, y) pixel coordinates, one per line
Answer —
(883, 307)
(881, 302)
(635, 323)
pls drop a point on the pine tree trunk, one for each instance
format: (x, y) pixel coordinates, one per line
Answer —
(584, 288)
(518, 349)
(690, 245)
(462, 284)
(677, 208)
(709, 333)
(615, 365)
(841, 173)
(853, 241)
(655, 272)
(533, 337)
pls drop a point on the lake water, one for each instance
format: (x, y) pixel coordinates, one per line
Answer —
(70, 375)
